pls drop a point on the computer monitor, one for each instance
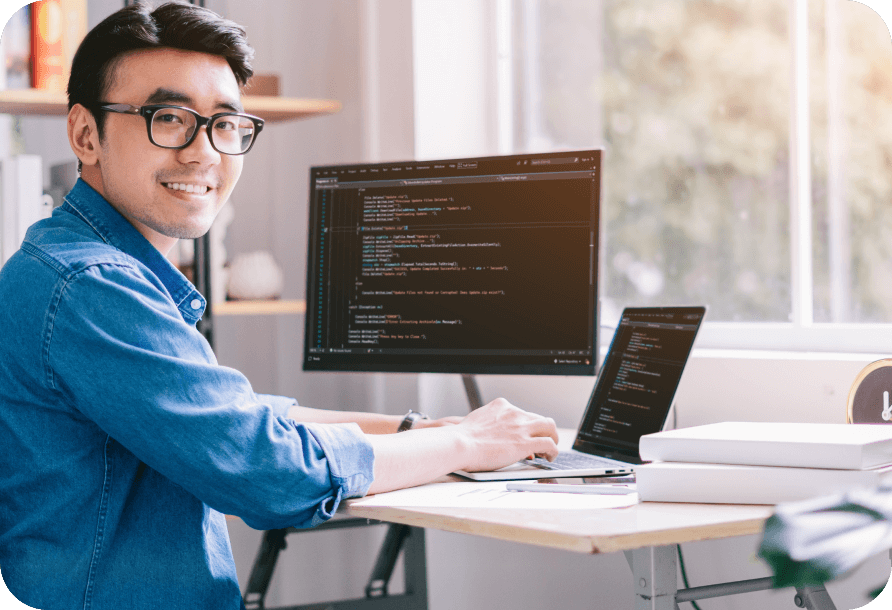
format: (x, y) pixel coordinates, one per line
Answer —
(483, 265)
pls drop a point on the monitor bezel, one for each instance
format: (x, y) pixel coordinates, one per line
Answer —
(429, 366)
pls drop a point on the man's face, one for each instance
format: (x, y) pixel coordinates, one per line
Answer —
(136, 176)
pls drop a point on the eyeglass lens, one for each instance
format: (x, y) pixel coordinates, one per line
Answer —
(230, 133)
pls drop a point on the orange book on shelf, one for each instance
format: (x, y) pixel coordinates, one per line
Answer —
(47, 49)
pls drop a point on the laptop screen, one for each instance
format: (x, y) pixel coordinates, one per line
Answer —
(638, 380)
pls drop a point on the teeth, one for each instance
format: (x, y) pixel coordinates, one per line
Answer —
(189, 188)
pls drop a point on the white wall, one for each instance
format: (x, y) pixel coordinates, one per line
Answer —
(454, 98)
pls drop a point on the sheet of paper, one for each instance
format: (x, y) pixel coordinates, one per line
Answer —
(492, 495)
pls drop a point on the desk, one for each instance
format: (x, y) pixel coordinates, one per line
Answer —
(598, 531)
(646, 532)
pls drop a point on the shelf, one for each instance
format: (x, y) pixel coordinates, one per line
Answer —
(275, 109)
(33, 101)
(271, 109)
(258, 308)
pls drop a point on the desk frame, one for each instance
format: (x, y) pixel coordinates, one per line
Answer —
(404, 538)
(654, 578)
(647, 533)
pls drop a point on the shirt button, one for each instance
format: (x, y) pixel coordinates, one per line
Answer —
(196, 304)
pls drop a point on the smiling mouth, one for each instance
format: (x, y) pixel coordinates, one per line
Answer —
(197, 189)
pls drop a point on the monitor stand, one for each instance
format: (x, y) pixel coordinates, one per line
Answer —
(473, 391)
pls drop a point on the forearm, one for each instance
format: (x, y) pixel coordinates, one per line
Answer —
(489, 438)
(417, 457)
(370, 423)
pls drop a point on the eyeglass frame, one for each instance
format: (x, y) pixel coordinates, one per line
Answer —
(148, 113)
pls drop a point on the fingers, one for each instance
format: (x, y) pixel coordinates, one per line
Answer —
(545, 447)
(544, 436)
(545, 426)
(537, 425)
(512, 433)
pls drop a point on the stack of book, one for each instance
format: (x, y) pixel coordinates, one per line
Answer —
(762, 462)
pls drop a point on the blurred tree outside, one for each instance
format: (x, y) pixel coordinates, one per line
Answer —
(692, 101)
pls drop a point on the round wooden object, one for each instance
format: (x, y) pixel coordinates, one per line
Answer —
(870, 399)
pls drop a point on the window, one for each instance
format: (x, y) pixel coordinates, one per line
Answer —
(749, 157)
(851, 110)
(747, 161)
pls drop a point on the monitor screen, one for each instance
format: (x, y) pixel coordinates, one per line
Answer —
(483, 265)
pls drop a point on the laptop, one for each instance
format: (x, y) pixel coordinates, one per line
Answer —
(632, 397)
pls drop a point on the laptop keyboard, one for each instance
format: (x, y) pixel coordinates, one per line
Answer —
(573, 460)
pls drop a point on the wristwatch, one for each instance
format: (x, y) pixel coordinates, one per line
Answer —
(410, 419)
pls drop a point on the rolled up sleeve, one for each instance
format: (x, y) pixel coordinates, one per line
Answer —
(279, 404)
(350, 456)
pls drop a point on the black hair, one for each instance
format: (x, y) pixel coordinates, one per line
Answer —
(174, 25)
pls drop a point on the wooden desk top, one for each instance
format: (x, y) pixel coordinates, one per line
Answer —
(585, 531)
(595, 531)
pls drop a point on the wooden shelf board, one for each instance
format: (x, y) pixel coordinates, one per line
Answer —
(258, 308)
(275, 109)
(33, 101)
(272, 109)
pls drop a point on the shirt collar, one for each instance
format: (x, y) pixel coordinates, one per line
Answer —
(115, 230)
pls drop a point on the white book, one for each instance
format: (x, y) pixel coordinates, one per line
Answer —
(801, 445)
(735, 484)
(21, 200)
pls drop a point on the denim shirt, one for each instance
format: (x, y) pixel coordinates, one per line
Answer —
(123, 442)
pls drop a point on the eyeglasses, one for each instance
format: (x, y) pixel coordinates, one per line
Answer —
(176, 127)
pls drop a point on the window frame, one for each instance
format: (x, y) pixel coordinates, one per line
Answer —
(496, 110)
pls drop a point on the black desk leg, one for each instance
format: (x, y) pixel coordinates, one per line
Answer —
(415, 560)
(414, 563)
(262, 572)
(387, 556)
(410, 540)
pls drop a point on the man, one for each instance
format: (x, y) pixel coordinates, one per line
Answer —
(122, 442)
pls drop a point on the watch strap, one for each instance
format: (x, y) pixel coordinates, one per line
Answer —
(409, 420)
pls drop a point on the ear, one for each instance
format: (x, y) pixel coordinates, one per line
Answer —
(82, 135)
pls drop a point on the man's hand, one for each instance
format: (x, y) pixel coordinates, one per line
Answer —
(500, 434)
(437, 423)
(490, 437)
